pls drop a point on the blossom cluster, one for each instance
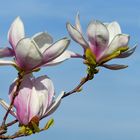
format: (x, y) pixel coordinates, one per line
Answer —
(33, 98)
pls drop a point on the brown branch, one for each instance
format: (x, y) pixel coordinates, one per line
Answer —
(11, 123)
(11, 137)
(17, 135)
(2, 128)
(78, 87)
(19, 80)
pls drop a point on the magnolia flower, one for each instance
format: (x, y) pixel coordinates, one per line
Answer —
(35, 99)
(32, 53)
(105, 42)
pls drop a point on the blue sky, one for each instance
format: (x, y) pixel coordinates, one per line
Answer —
(108, 107)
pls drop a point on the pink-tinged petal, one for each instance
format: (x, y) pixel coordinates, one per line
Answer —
(54, 106)
(16, 32)
(77, 23)
(114, 66)
(64, 56)
(45, 91)
(77, 36)
(98, 37)
(35, 104)
(6, 52)
(114, 29)
(43, 40)
(119, 41)
(55, 50)
(28, 55)
(128, 52)
(21, 101)
(7, 62)
(6, 107)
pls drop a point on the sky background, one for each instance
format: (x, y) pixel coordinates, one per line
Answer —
(108, 108)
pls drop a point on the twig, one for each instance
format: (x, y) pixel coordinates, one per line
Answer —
(77, 88)
(17, 135)
(11, 137)
(19, 80)
(2, 129)
(11, 123)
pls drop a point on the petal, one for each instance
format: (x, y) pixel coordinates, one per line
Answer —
(6, 107)
(6, 52)
(16, 32)
(77, 23)
(54, 106)
(76, 36)
(28, 55)
(128, 52)
(7, 62)
(114, 66)
(119, 41)
(64, 56)
(42, 40)
(45, 91)
(34, 105)
(114, 29)
(55, 50)
(98, 37)
(21, 102)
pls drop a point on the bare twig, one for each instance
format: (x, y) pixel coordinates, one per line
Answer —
(11, 123)
(19, 80)
(17, 135)
(2, 129)
(78, 87)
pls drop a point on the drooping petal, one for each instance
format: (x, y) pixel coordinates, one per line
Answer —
(77, 23)
(127, 53)
(7, 62)
(114, 66)
(98, 37)
(119, 41)
(76, 36)
(16, 32)
(114, 29)
(6, 52)
(64, 56)
(6, 107)
(28, 55)
(43, 40)
(55, 50)
(54, 106)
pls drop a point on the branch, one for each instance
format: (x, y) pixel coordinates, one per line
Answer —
(78, 87)
(2, 128)
(19, 80)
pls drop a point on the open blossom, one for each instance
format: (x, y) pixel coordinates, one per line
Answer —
(32, 53)
(105, 42)
(35, 99)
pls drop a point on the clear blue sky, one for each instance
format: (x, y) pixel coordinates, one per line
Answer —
(109, 106)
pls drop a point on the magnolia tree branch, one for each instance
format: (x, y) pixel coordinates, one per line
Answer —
(17, 135)
(12, 136)
(2, 129)
(19, 80)
(11, 123)
(78, 87)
